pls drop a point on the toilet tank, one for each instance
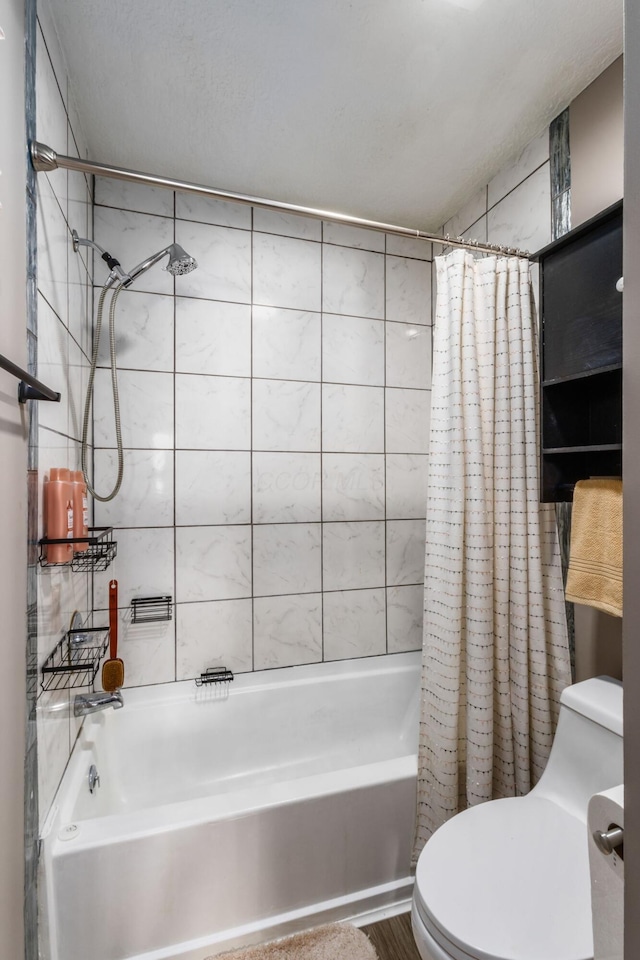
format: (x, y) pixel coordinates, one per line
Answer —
(586, 756)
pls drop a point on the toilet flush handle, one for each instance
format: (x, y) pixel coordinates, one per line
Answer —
(608, 840)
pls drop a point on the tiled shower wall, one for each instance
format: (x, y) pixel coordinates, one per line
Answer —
(63, 342)
(275, 407)
(514, 208)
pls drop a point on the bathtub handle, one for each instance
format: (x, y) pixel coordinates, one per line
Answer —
(85, 703)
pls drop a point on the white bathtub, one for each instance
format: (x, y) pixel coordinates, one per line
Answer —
(223, 822)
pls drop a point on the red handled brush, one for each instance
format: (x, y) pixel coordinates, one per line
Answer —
(113, 668)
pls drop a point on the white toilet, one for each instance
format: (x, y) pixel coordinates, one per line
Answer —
(509, 879)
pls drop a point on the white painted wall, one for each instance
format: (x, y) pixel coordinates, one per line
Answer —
(13, 477)
(596, 130)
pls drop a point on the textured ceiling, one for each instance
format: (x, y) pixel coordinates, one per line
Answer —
(395, 110)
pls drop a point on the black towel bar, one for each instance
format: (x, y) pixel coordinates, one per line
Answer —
(29, 387)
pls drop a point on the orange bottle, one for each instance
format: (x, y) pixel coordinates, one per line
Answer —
(59, 515)
(80, 510)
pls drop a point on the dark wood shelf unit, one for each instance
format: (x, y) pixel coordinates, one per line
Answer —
(589, 447)
(562, 470)
(582, 374)
(581, 355)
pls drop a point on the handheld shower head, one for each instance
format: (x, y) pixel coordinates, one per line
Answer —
(180, 261)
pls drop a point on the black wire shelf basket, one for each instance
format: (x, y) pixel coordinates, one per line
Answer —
(101, 549)
(74, 661)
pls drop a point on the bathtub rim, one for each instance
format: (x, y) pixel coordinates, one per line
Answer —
(277, 677)
(116, 828)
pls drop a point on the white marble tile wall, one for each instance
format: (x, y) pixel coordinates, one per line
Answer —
(275, 408)
(514, 208)
(64, 203)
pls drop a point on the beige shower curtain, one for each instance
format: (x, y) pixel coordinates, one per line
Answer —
(495, 651)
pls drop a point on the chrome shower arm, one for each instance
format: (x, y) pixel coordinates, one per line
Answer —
(82, 242)
(117, 273)
(149, 262)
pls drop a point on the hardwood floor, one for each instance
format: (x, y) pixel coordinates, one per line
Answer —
(393, 939)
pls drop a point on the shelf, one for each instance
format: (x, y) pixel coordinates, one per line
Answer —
(101, 550)
(75, 660)
(572, 377)
(582, 414)
(581, 307)
(585, 448)
(562, 467)
(151, 609)
(581, 356)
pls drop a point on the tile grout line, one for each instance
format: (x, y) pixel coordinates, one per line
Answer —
(269, 306)
(322, 521)
(300, 593)
(251, 444)
(271, 233)
(489, 208)
(269, 523)
(384, 447)
(90, 344)
(231, 376)
(175, 471)
(53, 70)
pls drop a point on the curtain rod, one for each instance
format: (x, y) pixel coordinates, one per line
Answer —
(45, 159)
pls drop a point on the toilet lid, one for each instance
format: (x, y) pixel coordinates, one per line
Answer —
(508, 880)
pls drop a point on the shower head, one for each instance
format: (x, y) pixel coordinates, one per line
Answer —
(180, 261)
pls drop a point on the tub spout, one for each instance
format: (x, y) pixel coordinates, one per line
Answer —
(91, 702)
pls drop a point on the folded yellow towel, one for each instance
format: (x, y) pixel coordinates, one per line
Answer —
(595, 556)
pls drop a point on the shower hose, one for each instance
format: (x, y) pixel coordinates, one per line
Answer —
(114, 391)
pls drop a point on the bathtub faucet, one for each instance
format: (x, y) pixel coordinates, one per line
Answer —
(91, 702)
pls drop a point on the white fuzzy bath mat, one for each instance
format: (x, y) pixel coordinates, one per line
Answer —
(336, 941)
